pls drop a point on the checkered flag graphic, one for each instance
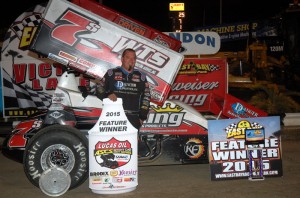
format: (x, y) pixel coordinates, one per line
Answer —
(214, 67)
(32, 17)
(255, 125)
(9, 37)
(231, 126)
(18, 96)
(29, 21)
(40, 99)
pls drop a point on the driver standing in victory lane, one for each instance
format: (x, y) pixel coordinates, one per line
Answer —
(131, 85)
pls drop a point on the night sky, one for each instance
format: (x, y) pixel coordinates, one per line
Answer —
(155, 13)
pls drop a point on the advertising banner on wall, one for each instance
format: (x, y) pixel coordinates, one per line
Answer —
(197, 43)
(198, 80)
(241, 30)
(228, 156)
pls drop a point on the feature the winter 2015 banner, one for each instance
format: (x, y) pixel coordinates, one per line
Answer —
(228, 156)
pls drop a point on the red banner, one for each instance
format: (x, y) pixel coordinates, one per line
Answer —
(236, 108)
(199, 81)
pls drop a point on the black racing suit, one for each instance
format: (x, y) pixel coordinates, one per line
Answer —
(134, 90)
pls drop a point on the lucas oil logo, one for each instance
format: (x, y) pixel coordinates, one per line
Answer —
(113, 153)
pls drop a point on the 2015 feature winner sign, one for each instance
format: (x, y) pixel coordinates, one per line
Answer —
(228, 156)
(113, 151)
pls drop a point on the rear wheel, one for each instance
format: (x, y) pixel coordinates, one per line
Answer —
(57, 146)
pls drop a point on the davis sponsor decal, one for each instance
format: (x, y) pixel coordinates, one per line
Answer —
(236, 108)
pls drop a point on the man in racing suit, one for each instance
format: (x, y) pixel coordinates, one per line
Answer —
(131, 85)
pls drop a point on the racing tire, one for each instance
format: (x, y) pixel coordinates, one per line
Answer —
(57, 146)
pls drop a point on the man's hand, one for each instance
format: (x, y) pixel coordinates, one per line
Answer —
(112, 97)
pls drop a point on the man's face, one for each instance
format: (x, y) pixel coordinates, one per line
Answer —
(128, 60)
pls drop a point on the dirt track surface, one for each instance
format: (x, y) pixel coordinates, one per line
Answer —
(172, 181)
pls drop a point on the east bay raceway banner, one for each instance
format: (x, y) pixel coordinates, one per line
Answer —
(228, 156)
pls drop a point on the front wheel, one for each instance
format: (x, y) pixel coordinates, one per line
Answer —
(57, 146)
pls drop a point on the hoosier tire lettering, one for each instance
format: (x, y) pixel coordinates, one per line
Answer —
(61, 146)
